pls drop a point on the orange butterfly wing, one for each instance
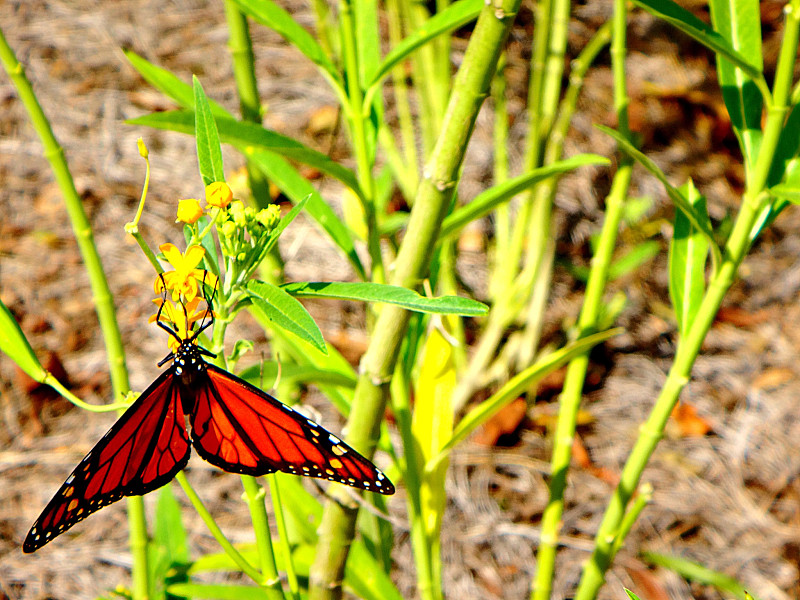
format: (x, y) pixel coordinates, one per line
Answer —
(241, 429)
(144, 450)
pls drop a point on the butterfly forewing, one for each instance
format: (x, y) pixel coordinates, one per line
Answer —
(144, 449)
(242, 429)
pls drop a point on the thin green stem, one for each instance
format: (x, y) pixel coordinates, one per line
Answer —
(401, 97)
(502, 221)
(241, 48)
(206, 517)
(359, 131)
(101, 293)
(688, 349)
(470, 88)
(280, 521)
(255, 496)
(401, 408)
(54, 383)
(515, 288)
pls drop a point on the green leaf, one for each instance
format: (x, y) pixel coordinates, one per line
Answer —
(286, 312)
(271, 15)
(786, 191)
(169, 84)
(270, 370)
(630, 261)
(365, 15)
(627, 263)
(15, 345)
(454, 16)
(251, 138)
(517, 385)
(631, 595)
(688, 252)
(740, 24)
(209, 153)
(697, 572)
(698, 221)
(219, 592)
(487, 201)
(168, 530)
(307, 355)
(389, 294)
(681, 18)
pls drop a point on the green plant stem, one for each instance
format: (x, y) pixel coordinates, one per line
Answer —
(280, 521)
(516, 287)
(569, 402)
(255, 497)
(401, 408)
(206, 517)
(502, 223)
(407, 179)
(358, 113)
(736, 248)
(433, 199)
(101, 294)
(540, 230)
(253, 492)
(241, 49)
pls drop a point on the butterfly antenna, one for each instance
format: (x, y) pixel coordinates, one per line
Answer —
(209, 308)
(159, 322)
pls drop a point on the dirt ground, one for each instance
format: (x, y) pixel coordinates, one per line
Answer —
(728, 499)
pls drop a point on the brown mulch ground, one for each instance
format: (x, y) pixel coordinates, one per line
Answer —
(728, 499)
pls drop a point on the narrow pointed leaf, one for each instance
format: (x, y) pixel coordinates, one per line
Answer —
(286, 312)
(389, 294)
(698, 221)
(169, 84)
(688, 252)
(454, 16)
(681, 18)
(271, 15)
(517, 385)
(209, 153)
(740, 24)
(15, 345)
(487, 201)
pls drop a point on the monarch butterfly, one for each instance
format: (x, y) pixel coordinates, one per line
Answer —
(234, 425)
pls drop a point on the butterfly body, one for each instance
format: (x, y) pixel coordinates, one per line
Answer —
(234, 426)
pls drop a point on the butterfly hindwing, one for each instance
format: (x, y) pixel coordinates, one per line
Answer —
(242, 429)
(144, 449)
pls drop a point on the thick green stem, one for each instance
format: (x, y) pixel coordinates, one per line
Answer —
(470, 89)
(101, 294)
(606, 541)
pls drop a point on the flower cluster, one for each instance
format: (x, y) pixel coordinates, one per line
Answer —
(243, 230)
(184, 285)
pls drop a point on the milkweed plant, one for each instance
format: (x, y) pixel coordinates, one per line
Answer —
(322, 545)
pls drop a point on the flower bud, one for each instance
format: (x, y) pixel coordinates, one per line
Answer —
(219, 194)
(189, 211)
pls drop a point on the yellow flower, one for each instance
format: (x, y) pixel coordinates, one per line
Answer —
(182, 322)
(219, 194)
(189, 211)
(183, 280)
